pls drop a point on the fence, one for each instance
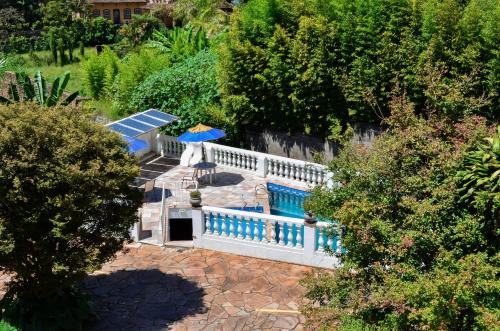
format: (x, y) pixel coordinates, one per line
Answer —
(266, 236)
(263, 165)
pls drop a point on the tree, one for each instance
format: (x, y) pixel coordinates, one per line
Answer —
(65, 32)
(26, 89)
(323, 64)
(416, 256)
(140, 29)
(66, 208)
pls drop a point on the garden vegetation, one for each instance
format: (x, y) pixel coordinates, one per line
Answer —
(66, 208)
(420, 214)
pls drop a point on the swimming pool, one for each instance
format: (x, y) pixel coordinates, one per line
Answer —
(286, 201)
(283, 201)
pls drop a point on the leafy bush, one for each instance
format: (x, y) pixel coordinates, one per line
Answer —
(66, 208)
(180, 43)
(416, 256)
(99, 72)
(480, 180)
(140, 28)
(18, 44)
(188, 90)
(133, 69)
(102, 31)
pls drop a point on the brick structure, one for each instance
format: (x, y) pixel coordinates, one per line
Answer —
(118, 11)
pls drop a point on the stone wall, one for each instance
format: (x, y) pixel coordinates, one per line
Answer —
(303, 147)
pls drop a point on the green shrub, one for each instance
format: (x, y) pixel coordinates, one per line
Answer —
(67, 310)
(67, 208)
(140, 29)
(133, 69)
(19, 44)
(180, 43)
(99, 72)
(188, 90)
(102, 31)
(416, 257)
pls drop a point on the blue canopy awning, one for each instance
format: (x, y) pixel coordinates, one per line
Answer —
(134, 144)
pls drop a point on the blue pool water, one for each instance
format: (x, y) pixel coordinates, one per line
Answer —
(286, 201)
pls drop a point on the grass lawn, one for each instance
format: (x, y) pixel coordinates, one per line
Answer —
(38, 61)
(51, 72)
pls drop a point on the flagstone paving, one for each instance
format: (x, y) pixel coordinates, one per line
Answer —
(154, 288)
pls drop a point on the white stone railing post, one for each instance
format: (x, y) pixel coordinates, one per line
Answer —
(198, 226)
(210, 153)
(159, 144)
(309, 240)
(262, 166)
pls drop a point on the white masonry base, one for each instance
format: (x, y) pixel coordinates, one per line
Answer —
(309, 254)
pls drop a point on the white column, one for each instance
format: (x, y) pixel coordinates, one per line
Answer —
(256, 231)
(210, 153)
(198, 225)
(272, 224)
(299, 236)
(207, 224)
(309, 241)
(261, 166)
(289, 236)
(281, 236)
(159, 144)
(321, 241)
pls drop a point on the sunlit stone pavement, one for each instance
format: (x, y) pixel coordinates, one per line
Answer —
(154, 288)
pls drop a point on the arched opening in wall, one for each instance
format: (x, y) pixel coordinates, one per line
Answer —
(180, 229)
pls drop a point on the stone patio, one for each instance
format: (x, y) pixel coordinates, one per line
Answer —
(154, 288)
(231, 187)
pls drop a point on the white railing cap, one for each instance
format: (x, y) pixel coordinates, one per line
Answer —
(270, 156)
(249, 214)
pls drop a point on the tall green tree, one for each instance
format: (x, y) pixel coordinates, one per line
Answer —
(66, 208)
(323, 64)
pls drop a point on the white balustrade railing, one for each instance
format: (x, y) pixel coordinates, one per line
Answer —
(264, 236)
(168, 145)
(267, 165)
(262, 164)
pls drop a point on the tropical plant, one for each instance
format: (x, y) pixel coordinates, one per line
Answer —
(26, 89)
(140, 28)
(210, 15)
(66, 207)
(99, 72)
(480, 178)
(180, 43)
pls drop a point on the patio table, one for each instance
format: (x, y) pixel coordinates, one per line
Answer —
(207, 167)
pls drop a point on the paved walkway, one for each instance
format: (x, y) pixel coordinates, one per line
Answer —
(153, 288)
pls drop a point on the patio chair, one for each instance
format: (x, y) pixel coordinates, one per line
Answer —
(149, 187)
(191, 178)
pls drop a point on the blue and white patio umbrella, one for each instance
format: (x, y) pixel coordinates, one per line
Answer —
(135, 145)
(200, 133)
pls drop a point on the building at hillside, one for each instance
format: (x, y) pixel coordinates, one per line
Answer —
(118, 11)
